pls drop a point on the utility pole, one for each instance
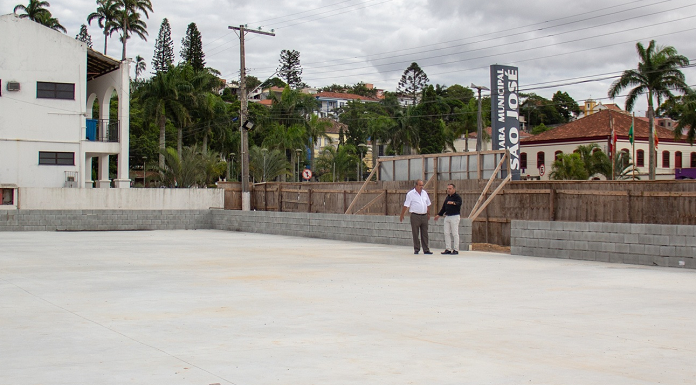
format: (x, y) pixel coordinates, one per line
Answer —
(244, 116)
(479, 121)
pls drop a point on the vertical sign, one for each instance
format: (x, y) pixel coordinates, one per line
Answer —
(505, 121)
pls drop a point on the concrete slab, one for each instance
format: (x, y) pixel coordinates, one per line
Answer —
(206, 306)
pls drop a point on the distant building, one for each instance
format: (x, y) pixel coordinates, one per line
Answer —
(49, 132)
(590, 107)
(332, 102)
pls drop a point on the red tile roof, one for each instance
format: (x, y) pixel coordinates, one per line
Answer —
(340, 95)
(597, 127)
(473, 135)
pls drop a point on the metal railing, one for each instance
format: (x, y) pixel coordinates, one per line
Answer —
(103, 130)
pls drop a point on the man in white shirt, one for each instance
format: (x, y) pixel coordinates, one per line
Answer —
(418, 204)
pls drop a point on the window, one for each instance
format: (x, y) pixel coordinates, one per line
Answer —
(693, 159)
(540, 158)
(523, 160)
(46, 90)
(665, 159)
(557, 154)
(640, 158)
(57, 158)
(625, 151)
(678, 159)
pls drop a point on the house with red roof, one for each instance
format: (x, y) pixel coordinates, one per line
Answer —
(541, 150)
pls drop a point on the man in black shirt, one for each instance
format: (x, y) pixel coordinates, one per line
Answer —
(451, 209)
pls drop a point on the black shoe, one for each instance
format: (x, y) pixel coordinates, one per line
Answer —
(455, 252)
(446, 252)
(415, 252)
(427, 252)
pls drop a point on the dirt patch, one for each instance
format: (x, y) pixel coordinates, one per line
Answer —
(491, 248)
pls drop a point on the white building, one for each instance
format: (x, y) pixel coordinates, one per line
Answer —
(49, 83)
(543, 148)
(332, 102)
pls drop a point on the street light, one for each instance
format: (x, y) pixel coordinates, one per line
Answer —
(363, 145)
(297, 160)
(479, 122)
(265, 151)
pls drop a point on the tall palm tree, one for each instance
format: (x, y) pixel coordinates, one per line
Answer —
(33, 10)
(658, 74)
(106, 14)
(51, 22)
(129, 20)
(160, 98)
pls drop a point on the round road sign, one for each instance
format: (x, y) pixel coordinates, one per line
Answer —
(307, 174)
(542, 170)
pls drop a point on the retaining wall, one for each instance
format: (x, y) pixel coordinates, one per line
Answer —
(357, 228)
(640, 244)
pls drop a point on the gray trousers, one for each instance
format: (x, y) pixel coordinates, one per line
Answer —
(419, 223)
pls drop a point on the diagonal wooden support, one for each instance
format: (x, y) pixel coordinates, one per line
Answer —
(488, 185)
(369, 178)
(490, 198)
(378, 197)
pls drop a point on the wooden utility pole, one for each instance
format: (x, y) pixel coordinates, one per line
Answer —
(244, 124)
(479, 120)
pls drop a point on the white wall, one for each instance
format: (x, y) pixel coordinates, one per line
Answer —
(123, 199)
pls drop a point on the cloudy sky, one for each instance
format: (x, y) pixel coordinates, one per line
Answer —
(557, 44)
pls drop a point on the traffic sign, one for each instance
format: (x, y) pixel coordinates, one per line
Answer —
(307, 174)
(542, 170)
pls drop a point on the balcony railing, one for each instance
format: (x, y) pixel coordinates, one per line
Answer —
(102, 130)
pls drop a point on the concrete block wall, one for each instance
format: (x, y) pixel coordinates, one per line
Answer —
(640, 244)
(356, 228)
(103, 220)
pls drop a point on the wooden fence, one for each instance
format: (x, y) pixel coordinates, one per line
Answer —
(660, 202)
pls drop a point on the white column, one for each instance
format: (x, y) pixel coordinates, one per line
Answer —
(104, 181)
(122, 177)
(87, 172)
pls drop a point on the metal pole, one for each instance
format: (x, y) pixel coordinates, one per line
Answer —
(479, 120)
(144, 171)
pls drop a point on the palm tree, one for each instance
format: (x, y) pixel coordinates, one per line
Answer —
(140, 66)
(265, 165)
(51, 22)
(106, 14)
(316, 129)
(183, 171)
(33, 10)
(595, 160)
(687, 118)
(568, 167)
(657, 75)
(160, 98)
(337, 164)
(129, 21)
(623, 167)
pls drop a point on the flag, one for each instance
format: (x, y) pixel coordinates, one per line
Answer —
(630, 131)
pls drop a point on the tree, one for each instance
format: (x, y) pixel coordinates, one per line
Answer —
(265, 165)
(316, 129)
(192, 48)
(539, 129)
(140, 66)
(163, 56)
(129, 21)
(568, 167)
(686, 111)
(458, 92)
(657, 75)
(539, 110)
(431, 125)
(412, 82)
(290, 69)
(106, 14)
(84, 36)
(565, 105)
(182, 171)
(33, 10)
(595, 161)
(46, 19)
(160, 98)
(274, 82)
(337, 164)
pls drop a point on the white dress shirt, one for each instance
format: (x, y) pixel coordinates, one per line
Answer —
(417, 203)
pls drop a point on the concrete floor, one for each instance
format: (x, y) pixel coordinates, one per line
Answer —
(204, 307)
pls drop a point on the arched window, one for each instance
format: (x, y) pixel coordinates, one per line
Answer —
(523, 160)
(640, 158)
(665, 159)
(557, 154)
(678, 159)
(693, 159)
(540, 158)
(625, 151)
